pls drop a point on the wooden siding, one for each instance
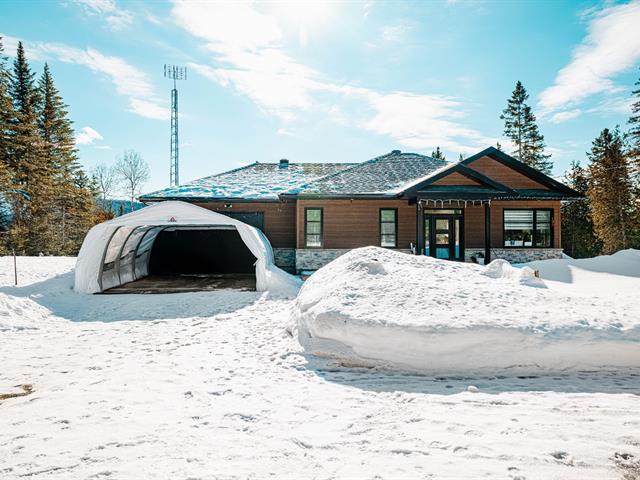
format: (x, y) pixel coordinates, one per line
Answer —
(352, 224)
(503, 174)
(455, 178)
(279, 218)
(474, 221)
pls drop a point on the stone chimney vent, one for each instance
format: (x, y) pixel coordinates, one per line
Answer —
(284, 163)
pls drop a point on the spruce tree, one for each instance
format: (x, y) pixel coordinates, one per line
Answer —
(29, 171)
(520, 126)
(6, 115)
(578, 236)
(609, 191)
(634, 121)
(437, 154)
(59, 153)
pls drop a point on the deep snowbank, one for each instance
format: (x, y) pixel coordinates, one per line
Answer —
(378, 307)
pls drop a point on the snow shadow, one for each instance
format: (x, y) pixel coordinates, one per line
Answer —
(57, 295)
(377, 380)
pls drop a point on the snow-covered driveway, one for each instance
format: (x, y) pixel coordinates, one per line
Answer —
(212, 385)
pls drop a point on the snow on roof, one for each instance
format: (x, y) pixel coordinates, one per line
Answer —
(384, 175)
(257, 181)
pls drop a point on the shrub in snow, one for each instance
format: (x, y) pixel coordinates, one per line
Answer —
(377, 307)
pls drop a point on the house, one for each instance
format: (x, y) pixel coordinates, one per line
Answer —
(487, 206)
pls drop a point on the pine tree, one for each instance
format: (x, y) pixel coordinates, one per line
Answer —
(59, 153)
(520, 126)
(437, 154)
(29, 171)
(609, 191)
(578, 236)
(6, 115)
(6, 118)
(634, 121)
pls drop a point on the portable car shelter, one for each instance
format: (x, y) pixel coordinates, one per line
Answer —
(119, 251)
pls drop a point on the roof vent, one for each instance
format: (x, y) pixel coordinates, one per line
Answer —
(284, 163)
(396, 152)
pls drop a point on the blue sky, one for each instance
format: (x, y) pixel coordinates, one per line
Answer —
(319, 81)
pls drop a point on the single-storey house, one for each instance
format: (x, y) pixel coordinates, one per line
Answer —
(484, 207)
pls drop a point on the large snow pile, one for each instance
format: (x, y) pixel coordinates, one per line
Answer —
(375, 307)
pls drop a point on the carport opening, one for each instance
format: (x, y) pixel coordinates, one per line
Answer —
(200, 252)
(189, 259)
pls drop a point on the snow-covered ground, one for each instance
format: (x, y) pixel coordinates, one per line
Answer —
(377, 307)
(212, 385)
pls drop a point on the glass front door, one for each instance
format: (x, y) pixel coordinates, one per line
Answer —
(443, 234)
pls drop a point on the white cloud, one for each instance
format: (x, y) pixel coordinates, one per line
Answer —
(395, 33)
(565, 115)
(87, 135)
(423, 122)
(245, 45)
(611, 46)
(116, 18)
(102, 147)
(129, 81)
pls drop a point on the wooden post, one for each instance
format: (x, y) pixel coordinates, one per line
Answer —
(487, 233)
(420, 232)
(15, 268)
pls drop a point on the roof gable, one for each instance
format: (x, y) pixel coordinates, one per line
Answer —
(498, 175)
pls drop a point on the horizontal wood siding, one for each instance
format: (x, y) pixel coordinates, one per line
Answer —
(352, 224)
(455, 178)
(279, 218)
(474, 222)
(503, 174)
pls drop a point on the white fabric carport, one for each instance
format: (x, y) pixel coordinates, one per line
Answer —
(117, 251)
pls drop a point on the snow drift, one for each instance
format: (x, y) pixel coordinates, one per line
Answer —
(376, 307)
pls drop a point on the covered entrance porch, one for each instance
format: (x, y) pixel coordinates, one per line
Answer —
(441, 227)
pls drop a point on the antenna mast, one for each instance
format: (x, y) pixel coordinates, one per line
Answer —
(174, 73)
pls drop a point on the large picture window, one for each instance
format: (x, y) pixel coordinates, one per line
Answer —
(528, 228)
(313, 227)
(389, 227)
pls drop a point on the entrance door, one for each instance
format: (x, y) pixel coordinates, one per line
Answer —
(443, 234)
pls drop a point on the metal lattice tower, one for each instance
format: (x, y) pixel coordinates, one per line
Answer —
(175, 73)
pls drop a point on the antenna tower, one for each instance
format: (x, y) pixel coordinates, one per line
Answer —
(174, 73)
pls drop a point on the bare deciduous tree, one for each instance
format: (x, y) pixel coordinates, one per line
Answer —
(134, 172)
(106, 179)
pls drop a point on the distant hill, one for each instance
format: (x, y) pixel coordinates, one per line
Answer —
(120, 207)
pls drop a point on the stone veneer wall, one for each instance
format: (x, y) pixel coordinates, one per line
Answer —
(313, 259)
(285, 258)
(516, 255)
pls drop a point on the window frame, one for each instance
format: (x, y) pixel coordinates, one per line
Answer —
(395, 226)
(534, 229)
(321, 222)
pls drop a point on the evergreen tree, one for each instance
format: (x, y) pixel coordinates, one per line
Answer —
(609, 191)
(60, 154)
(578, 236)
(6, 116)
(437, 154)
(28, 170)
(520, 126)
(634, 121)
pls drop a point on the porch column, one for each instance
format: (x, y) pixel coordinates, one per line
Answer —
(487, 233)
(420, 232)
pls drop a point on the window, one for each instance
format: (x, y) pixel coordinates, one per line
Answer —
(389, 227)
(528, 228)
(313, 227)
